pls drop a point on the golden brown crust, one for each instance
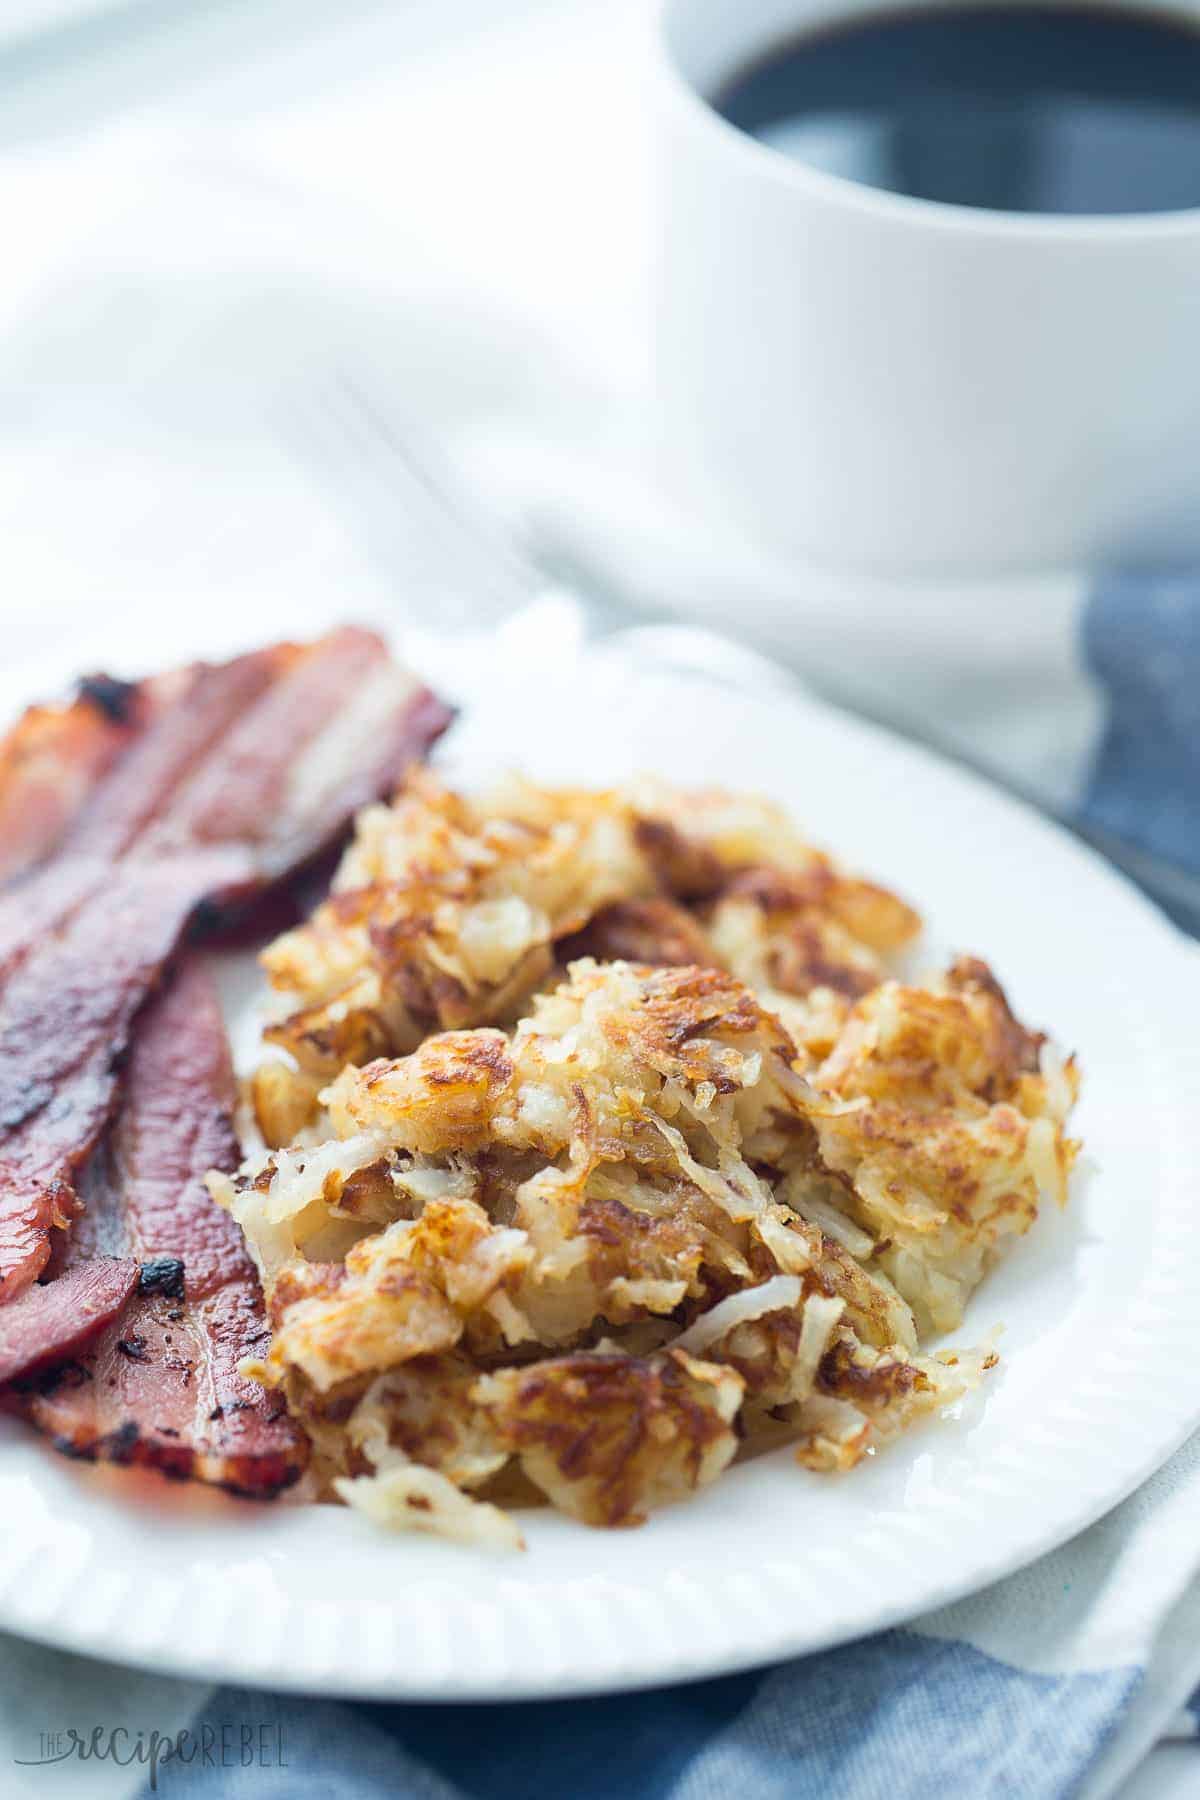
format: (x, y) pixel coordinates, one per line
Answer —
(868, 912)
(284, 1101)
(951, 1137)
(449, 913)
(650, 931)
(608, 1437)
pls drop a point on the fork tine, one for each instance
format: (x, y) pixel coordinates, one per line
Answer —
(415, 522)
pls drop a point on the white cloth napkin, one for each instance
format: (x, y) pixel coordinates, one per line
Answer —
(24, 20)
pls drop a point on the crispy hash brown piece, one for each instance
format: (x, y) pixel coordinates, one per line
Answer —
(443, 915)
(591, 1256)
(449, 912)
(606, 1438)
(952, 1135)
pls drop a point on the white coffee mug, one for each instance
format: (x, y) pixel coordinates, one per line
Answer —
(878, 382)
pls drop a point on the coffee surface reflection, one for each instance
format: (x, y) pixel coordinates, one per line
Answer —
(1021, 108)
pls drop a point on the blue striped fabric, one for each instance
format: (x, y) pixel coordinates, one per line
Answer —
(1141, 641)
(890, 1719)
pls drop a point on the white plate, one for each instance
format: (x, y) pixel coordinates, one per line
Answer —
(1099, 1379)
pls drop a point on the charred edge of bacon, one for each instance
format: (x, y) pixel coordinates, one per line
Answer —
(162, 1275)
(254, 1477)
(114, 698)
(53, 759)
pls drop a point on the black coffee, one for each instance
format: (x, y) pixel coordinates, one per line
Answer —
(1044, 109)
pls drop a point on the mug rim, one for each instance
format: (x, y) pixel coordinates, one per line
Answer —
(788, 172)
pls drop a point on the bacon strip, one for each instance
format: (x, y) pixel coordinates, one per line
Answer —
(141, 785)
(255, 770)
(55, 757)
(338, 728)
(49, 763)
(159, 1386)
(65, 1018)
(52, 1322)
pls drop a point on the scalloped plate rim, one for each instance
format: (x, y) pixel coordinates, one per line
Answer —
(510, 1613)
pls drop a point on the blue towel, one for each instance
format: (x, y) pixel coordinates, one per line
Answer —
(1141, 641)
